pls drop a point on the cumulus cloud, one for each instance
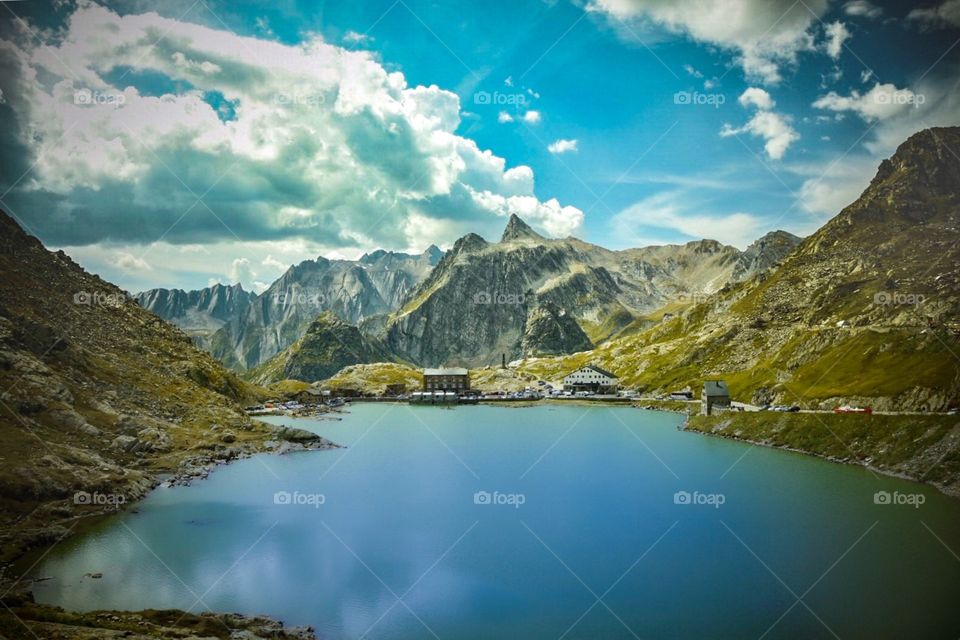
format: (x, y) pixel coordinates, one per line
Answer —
(503, 116)
(774, 128)
(531, 117)
(946, 14)
(837, 33)
(562, 146)
(126, 261)
(764, 35)
(862, 8)
(756, 97)
(241, 271)
(881, 102)
(318, 142)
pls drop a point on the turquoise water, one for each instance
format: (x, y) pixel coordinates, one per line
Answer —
(581, 536)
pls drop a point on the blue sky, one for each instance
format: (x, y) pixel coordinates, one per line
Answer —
(223, 141)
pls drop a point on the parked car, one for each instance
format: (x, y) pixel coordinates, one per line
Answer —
(848, 409)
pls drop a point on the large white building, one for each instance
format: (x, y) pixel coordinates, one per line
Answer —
(591, 378)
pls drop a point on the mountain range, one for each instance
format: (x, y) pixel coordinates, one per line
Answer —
(199, 313)
(525, 295)
(253, 331)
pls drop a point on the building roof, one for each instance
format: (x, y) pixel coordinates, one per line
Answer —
(601, 371)
(715, 388)
(452, 371)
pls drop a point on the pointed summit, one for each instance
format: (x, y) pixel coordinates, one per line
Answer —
(517, 229)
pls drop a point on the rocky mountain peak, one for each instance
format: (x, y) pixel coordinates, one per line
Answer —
(433, 254)
(764, 253)
(517, 229)
(469, 243)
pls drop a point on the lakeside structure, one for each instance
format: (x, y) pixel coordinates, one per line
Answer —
(591, 378)
(454, 379)
(715, 394)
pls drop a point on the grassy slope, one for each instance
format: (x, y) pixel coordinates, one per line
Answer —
(924, 448)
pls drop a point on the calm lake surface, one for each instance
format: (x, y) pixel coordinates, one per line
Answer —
(537, 522)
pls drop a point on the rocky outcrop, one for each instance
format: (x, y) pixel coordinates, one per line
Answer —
(551, 331)
(328, 346)
(764, 254)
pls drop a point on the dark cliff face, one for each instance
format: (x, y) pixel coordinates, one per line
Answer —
(199, 313)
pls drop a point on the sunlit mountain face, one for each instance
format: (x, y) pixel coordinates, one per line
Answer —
(182, 144)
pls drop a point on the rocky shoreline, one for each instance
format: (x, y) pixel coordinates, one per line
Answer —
(930, 463)
(18, 605)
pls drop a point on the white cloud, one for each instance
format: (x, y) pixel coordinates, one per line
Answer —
(678, 212)
(562, 146)
(881, 102)
(503, 116)
(241, 271)
(837, 33)
(355, 37)
(944, 15)
(764, 35)
(126, 261)
(862, 8)
(531, 117)
(272, 263)
(773, 127)
(756, 97)
(323, 142)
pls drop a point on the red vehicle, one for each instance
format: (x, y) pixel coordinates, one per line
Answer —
(849, 409)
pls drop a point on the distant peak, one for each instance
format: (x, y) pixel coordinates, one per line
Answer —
(433, 253)
(469, 243)
(517, 229)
